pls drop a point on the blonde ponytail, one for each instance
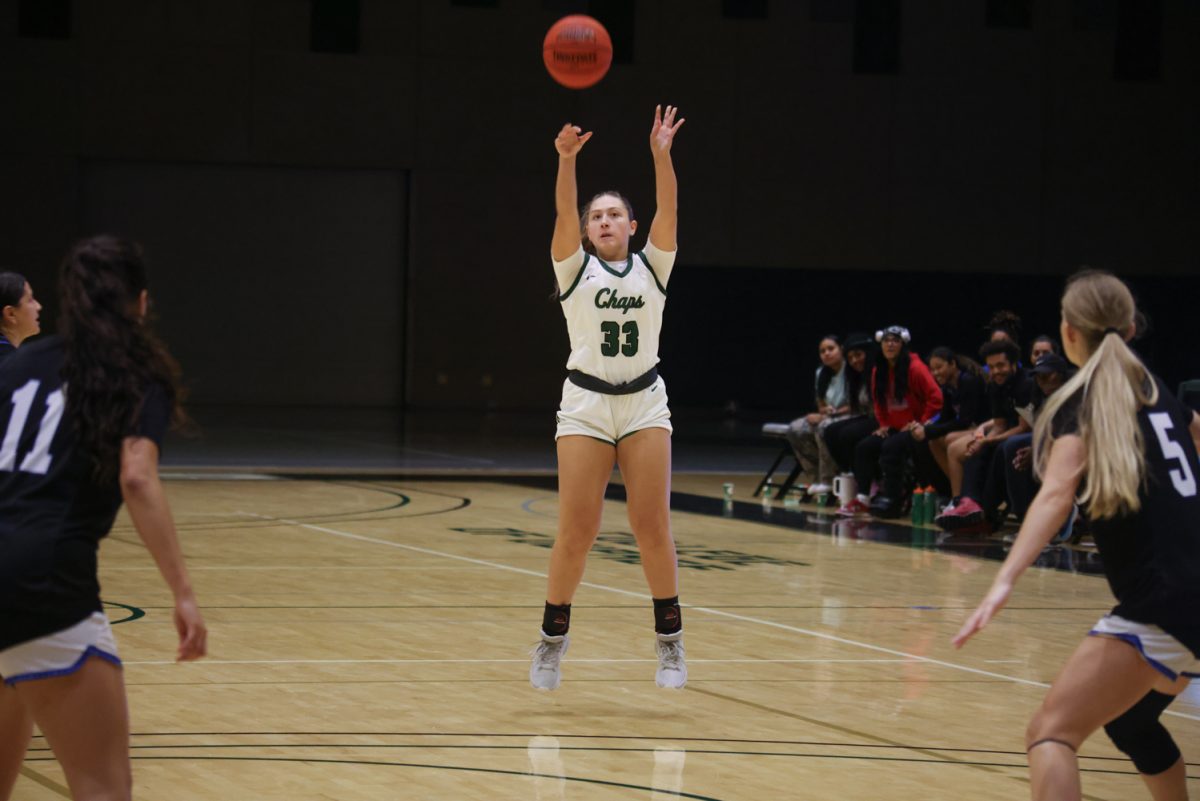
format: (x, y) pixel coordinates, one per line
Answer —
(1115, 385)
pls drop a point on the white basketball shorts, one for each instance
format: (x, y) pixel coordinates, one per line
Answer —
(611, 418)
(60, 653)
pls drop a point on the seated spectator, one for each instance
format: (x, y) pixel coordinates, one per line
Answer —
(833, 403)
(972, 483)
(1050, 372)
(963, 408)
(1004, 324)
(904, 395)
(1041, 346)
(842, 436)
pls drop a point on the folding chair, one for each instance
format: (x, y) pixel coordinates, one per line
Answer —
(779, 431)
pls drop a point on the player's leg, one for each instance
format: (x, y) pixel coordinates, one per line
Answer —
(645, 461)
(1140, 735)
(86, 722)
(1100, 681)
(584, 467)
(16, 729)
(956, 456)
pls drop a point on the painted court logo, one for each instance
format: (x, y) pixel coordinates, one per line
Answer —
(620, 546)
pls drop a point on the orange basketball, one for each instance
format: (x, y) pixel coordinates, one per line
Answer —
(577, 51)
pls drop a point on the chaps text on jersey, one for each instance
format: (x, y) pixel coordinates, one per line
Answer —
(609, 299)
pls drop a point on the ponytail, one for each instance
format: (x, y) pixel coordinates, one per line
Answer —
(1113, 385)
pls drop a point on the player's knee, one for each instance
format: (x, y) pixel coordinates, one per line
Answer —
(574, 545)
(653, 532)
(1140, 735)
(1047, 727)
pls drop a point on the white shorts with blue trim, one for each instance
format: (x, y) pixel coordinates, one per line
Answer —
(611, 418)
(1165, 654)
(60, 653)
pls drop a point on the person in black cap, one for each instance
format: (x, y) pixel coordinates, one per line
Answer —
(842, 436)
(1016, 457)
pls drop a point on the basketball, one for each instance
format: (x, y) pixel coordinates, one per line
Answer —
(577, 51)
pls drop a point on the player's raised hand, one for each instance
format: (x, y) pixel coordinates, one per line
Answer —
(992, 603)
(662, 133)
(570, 140)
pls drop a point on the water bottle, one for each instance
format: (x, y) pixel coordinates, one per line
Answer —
(931, 504)
(918, 506)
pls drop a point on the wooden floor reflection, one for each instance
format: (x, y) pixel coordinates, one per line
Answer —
(369, 640)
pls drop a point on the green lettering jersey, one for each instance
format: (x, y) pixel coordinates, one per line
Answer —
(614, 311)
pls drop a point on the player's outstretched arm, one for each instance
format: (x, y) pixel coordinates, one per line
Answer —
(666, 188)
(147, 503)
(1046, 516)
(568, 143)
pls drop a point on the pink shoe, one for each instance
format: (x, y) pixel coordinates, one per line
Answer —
(855, 508)
(962, 513)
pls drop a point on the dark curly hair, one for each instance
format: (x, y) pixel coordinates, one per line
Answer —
(112, 356)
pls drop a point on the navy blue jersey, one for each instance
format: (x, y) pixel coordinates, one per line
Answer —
(53, 513)
(6, 349)
(1152, 557)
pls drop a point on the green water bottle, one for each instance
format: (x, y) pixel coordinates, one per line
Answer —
(918, 506)
(931, 502)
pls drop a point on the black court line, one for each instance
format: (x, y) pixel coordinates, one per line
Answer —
(638, 737)
(708, 752)
(809, 521)
(240, 522)
(493, 771)
(905, 607)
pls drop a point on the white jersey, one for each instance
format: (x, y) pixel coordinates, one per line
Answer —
(614, 311)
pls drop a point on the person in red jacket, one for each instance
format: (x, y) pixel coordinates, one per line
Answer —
(905, 395)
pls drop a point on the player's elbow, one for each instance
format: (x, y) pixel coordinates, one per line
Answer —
(137, 479)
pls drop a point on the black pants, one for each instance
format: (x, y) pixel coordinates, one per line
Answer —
(1022, 484)
(984, 480)
(929, 472)
(841, 438)
(888, 454)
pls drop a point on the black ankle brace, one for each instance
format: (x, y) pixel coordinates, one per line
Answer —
(556, 619)
(668, 618)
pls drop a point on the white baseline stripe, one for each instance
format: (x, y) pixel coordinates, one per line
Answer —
(706, 610)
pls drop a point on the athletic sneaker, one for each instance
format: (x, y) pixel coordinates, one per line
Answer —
(672, 669)
(820, 489)
(964, 512)
(855, 508)
(545, 672)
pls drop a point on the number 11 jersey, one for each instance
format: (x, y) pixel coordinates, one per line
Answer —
(53, 512)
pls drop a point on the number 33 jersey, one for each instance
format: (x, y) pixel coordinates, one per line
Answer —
(53, 513)
(614, 311)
